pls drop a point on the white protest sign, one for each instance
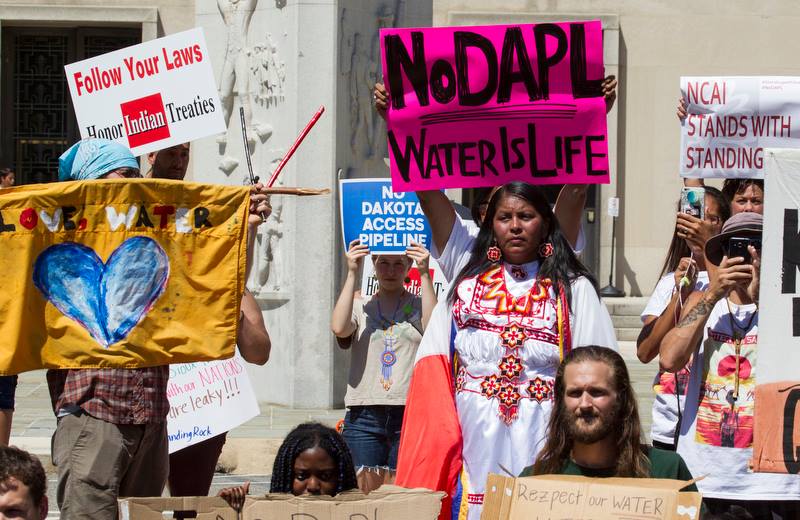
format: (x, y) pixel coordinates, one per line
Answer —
(207, 399)
(779, 298)
(732, 119)
(149, 96)
(369, 283)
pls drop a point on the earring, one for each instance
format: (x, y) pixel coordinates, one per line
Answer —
(545, 249)
(493, 253)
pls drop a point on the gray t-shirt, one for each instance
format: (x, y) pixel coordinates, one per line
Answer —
(383, 355)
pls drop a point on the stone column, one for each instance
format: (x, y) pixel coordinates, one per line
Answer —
(281, 60)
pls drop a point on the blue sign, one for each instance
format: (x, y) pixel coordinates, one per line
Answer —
(385, 221)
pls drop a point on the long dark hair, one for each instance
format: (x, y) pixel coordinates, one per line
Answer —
(678, 248)
(304, 437)
(631, 458)
(562, 267)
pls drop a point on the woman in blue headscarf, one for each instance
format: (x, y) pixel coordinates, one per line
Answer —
(97, 159)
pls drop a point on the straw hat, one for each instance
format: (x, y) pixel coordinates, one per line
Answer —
(740, 225)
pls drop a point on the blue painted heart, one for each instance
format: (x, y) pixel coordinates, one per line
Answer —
(109, 299)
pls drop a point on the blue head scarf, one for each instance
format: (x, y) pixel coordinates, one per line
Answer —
(92, 158)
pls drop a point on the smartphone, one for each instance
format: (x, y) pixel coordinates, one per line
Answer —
(693, 201)
(737, 246)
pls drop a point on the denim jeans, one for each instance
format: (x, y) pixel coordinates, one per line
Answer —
(373, 434)
(8, 387)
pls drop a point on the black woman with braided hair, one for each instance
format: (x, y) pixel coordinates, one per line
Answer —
(313, 460)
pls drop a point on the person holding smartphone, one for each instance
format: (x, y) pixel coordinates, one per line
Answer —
(683, 272)
(718, 328)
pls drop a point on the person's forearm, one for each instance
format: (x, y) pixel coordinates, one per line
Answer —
(680, 342)
(569, 210)
(653, 332)
(253, 339)
(428, 298)
(342, 318)
(440, 214)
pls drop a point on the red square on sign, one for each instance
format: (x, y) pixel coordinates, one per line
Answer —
(145, 120)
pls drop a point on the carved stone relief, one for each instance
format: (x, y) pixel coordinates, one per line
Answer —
(361, 65)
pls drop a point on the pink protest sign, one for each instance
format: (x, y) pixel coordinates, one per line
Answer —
(482, 106)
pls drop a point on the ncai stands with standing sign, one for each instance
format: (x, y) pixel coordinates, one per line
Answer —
(732, 119)
(776, 434)
(482, 106)
(148, 96)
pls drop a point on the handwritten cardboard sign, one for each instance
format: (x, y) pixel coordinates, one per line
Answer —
(482, 106)
(150, 96)
(207, 399)
(385, 503)
(380, 218)
(776, 435)
(120, 273)
(581, 498)
(733, 119)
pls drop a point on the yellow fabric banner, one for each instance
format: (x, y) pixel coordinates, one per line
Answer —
(120, 273)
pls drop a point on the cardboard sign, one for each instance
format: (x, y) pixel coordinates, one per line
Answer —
(776, 430)
(776, 436)
(733, 119)
(120, 273)
(384, 220)
(149, 96)
(369, 282)
(385, 503)
(483, 106)
(207, 399)
(582, 498)
(159, 508)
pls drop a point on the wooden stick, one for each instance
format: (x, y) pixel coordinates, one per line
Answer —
(297, 142)
(300, 192)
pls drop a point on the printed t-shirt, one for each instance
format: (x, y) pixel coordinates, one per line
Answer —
(663, 464)
(667, 398)
(382, 356)
(717, 438)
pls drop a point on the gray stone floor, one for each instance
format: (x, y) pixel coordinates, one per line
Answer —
(34, 425)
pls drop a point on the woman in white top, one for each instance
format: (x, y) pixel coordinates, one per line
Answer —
(520, 301)
(684, 271)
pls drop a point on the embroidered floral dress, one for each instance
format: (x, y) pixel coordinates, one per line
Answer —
(510, 330)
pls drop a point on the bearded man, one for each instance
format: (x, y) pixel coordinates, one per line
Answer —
(595, 430)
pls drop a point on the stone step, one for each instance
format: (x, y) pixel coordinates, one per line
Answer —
(621, 321)
(628, 306)
(627, 333)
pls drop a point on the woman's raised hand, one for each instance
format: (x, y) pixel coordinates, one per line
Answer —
(420, 255)
(381, 99)
(687, 268)
(355, 254)
(235, 496)
(694, 230)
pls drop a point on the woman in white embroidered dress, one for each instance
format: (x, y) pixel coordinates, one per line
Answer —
(521, 300)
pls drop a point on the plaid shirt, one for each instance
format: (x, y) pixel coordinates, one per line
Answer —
(115, 395)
